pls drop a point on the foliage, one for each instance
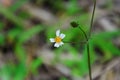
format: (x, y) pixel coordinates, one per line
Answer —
(19, 35)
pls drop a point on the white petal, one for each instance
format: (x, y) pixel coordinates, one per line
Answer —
(62, 35)
(58, 33)
(52, 40)
(56, 45)
(61, 43)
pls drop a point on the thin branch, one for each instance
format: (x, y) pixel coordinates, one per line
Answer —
(93, 13)
(84, 33)
(87, 38)
(88, 52)
(89, 35)
(74, 24)
(84, 42)
(89, 65)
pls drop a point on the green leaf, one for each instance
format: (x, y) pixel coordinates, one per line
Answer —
(20, 52)
(84, 61)
(26, 35)
(20, 71)
(106, 35)
(107, 47)
(24, 15)
(5, 73)
(35, 64)
(63, 78)
(17, 5)
(2, 39)
(72, 33)
(1, 26)
(50, 32)
(72, 8)
(92, 53)
(12, 34)
(9, 15)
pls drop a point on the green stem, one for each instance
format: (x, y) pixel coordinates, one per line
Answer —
(88, 46)
(84, 42)
(87, 38)
(89, 65)
(88, 52)
(84, 33)
(91, 23)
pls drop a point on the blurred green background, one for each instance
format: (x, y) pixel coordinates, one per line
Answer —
(27, 54)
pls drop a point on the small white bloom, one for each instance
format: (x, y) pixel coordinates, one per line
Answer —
(58, 39)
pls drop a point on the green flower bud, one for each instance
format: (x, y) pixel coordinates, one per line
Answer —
(74, 24)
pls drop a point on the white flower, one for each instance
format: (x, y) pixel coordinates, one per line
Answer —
(58, 39)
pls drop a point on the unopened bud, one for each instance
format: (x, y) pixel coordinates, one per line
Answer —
(74, 24)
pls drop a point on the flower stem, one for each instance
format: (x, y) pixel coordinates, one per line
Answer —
(87, 38)
(93, 13)
(84, 42)
(84, 33)
(89, 35)
(88, 52)
(89, 65)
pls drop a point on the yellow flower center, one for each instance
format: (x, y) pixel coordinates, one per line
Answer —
(58, 39)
